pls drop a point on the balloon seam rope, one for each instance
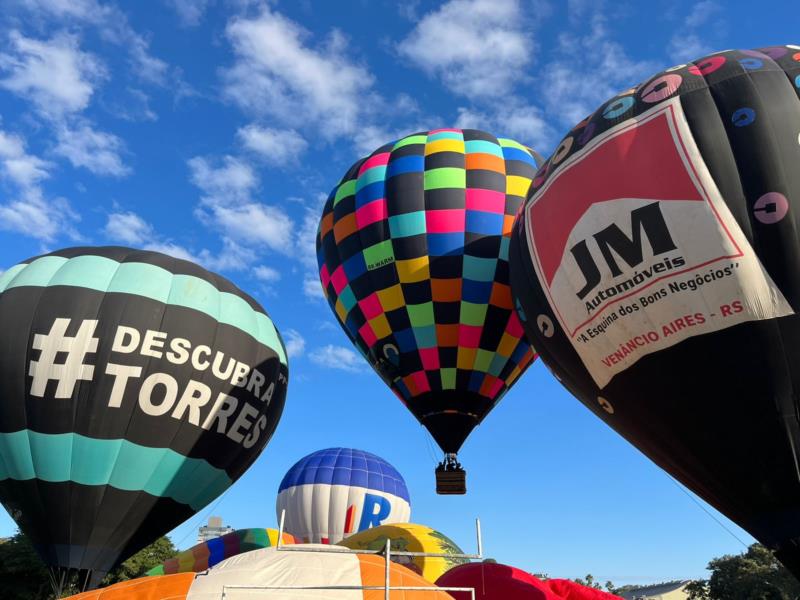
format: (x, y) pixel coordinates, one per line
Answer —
(709, 513)
(279, 547)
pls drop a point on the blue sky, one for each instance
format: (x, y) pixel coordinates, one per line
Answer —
(213, 130)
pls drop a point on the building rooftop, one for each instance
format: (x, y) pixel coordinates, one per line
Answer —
(655, 590)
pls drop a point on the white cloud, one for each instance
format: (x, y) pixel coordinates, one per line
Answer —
(337, 357)
(274, 146)
(576, 9)
(113, 26)
(190, 12)
(228, 206)
(685, 47)
(36, 217)
(276, 72)
(59, 80)
(232, 257)
(479, 48)
(129, 228)
(84, 10)
(524, 123)
(312, 288)
(26, 210)
(307, 237)
(20, 167)
(126, 227)
(134, 106)
(701, 13)
(55, 75)
(97, 151)
(172, 249)
(233, 178)
(695, 39)
(589, 70)
(267, 274)
(146, 66)
(251, 223)
(295, 343)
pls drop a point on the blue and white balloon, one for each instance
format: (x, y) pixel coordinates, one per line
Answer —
(333, 493)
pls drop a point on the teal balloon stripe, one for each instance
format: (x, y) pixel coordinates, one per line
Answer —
(62, 457)
(150, 281)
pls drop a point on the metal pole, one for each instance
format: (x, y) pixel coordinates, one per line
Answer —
(388, 571)
(480, 544)
(334, 550)
(280, 529)
(371, 588)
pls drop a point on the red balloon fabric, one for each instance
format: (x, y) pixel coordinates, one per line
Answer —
(569, 590)
(493, 581)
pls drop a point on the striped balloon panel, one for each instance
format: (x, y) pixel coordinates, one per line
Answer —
(413, 258)
(411, 537)
(135, 392)
(207, 554)
(335, 492)
(265, 569)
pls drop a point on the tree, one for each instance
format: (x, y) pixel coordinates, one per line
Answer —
(141, 562)
(23, 575)
(697, 590)
(753, 575)
(588, 581)
(612, 589)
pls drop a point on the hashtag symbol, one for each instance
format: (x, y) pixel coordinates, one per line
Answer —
(73, 368)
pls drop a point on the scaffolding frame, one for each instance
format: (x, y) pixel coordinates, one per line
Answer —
(387, 552)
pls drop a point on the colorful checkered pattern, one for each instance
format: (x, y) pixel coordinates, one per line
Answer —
(413, 256)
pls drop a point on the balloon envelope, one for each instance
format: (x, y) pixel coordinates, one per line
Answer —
(136, 388)
(335, 492)
(169, 587)
(409, 537)
(267, 568)
(412, 250)
(657, 268)
(494, 581)
(569, 590)
(207, 554)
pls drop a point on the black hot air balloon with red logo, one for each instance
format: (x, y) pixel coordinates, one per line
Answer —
(656, 269)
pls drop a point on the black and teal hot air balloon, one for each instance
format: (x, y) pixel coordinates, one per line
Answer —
(657, 266)
(135, 389)
(413, 256)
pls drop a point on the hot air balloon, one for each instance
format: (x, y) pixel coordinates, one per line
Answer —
(569, 590)
(335, 492)
(169, 587)
(409, 537)
(657, 268)
(311, 575)
(205, 555)
(494, 581)
(412, 250)
(136, 388)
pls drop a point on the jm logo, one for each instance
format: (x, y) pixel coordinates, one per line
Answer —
(647, 219)
(73, 367)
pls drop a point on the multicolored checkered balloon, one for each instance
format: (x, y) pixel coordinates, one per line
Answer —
(413, 256)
